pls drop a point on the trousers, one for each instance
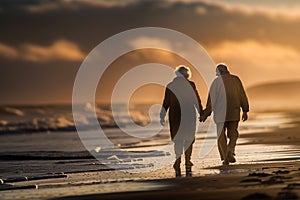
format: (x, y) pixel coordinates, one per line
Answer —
(227, 130)
(186, 147)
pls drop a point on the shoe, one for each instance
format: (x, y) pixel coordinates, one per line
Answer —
(231, 159)
(189, 163)
(188, 171)
(226, 162)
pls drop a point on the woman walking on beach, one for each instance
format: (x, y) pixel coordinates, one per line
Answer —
(181, 99)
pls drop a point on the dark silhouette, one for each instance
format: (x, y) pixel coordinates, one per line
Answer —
(182, 100)
(226, 98)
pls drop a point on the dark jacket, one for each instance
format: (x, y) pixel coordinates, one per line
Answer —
(226, 99)
(182, 100)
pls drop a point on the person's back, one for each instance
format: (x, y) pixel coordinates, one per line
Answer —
(181, 100)
(181, 97)
(226, 98)
(235, 97)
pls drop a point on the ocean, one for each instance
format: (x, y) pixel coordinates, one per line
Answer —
(42, 139)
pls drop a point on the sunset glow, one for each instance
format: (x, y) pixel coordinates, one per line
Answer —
(258, 40)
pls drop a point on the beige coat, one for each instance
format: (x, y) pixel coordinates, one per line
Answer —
(226, 99)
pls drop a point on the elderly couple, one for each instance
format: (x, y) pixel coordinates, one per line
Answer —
(226, 98)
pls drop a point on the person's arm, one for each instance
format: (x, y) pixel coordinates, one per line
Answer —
(198, 103)
(244, 102)
(212, 95)
(207, 111)
(165, 106)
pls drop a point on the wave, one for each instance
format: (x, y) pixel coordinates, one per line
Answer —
(12, 111)
(43, 118)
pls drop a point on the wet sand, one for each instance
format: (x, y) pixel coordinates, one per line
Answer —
(268, 167)
(271, 181)
(276, 180)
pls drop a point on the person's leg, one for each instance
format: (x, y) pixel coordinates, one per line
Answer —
(178, 149)
(222, 140)
(188, 146)
(233, 134)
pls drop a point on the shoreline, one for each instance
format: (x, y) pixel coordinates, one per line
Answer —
(272, 157)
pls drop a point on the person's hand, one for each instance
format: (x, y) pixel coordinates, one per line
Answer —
(162, 122)
(244, 116)
(202, 118)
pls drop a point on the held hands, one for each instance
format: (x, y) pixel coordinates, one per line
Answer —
(244, 116)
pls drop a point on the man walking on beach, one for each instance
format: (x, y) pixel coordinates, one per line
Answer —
(181, 99)
(226, 98)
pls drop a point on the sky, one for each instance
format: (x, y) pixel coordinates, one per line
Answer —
(44, 42)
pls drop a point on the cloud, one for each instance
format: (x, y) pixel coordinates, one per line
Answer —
(141, 42)
(48, 6)
(274, 11)
(254, 61)
(44, 6)
(279, 10)
(7, 51)
(102, 3)
(59, 50)
(258, 61)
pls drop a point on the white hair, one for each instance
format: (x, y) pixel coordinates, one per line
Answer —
(184, 71)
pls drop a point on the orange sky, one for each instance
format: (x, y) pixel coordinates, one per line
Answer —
(41, 54)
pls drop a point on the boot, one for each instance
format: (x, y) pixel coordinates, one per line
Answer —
(231, 158)
(188, 166)
(226, 162)
(188, 171)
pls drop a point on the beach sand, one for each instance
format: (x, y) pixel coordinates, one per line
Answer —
(268, 167)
